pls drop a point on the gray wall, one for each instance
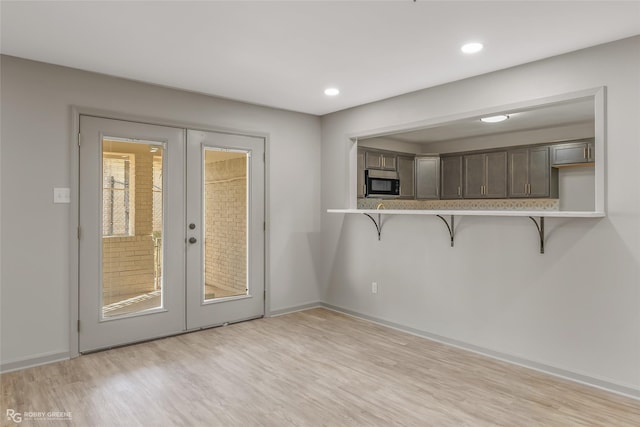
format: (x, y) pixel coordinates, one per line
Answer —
(36, 157)
(507, 139)
(383, 143)
(576, 308)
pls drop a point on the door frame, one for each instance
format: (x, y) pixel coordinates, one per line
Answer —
(74, 214)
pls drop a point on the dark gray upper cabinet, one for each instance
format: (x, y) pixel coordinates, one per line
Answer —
(427, 177)
(518, 173)
(474, 176)
(451, 177)
(361, 183)
(485, 175)
(380, 160)
(529, 172)
(407, 175)
(572, 153)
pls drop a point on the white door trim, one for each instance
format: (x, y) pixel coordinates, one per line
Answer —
(74, 184)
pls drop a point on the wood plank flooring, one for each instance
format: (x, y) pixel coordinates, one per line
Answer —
(311, 368)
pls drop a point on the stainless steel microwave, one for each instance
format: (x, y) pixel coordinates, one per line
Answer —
(381, 183)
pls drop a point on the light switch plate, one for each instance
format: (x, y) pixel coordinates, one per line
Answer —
(61, 195)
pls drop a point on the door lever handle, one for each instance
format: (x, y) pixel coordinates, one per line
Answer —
(192, 240)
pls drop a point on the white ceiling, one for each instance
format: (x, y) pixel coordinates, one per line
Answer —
(284, 54)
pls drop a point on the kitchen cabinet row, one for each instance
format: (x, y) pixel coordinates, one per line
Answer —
(515, 172)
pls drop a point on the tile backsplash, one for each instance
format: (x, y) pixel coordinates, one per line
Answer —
(461, 204)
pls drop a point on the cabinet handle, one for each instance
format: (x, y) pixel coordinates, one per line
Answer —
(525, 188)
(584, 152)
(528, 188)
(588, 152)
(459, 191)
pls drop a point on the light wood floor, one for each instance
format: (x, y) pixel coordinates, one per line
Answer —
(312, 368)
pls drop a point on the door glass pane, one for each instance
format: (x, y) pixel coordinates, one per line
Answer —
(132, 224)
(225, 224)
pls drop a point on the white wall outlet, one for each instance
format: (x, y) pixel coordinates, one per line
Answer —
(374, 287)
(61, 195)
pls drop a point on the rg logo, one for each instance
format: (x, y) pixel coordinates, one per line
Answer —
(14, 416)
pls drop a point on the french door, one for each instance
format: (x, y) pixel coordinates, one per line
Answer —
(225, 232)
(171, 231)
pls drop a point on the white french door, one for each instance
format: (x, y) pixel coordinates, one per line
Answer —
(171, 231)
(225, 232)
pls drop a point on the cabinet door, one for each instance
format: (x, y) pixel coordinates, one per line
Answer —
(518, 173)
(566, 154)
(474, 172)
(427, 177)
(372, 160)
(360, 189)
(407, 175)
(539, 172)
(496, 175)
(389, 162)
(451, 177)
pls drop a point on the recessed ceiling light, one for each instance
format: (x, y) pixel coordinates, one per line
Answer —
(472, 47)
(495, 119)
(332, 91)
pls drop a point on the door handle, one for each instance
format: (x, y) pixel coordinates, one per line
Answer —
(192, 240)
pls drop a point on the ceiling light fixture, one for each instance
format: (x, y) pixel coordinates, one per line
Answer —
(472, 47)
(332, 91)
(495, 119)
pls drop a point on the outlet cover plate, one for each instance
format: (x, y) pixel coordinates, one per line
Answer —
(61, 195)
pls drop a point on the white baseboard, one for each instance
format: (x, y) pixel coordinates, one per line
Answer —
(41, 359)
(623, 390)
(295, 308)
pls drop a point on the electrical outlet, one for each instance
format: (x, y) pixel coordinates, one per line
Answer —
(61, 195)
(374, 287)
